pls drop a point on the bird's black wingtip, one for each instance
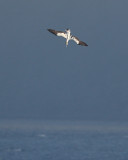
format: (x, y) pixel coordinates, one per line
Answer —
(52, 31)
(82, 43)
(85, 44)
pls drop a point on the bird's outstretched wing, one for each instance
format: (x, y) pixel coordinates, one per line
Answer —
(78, 41)
(58, 33)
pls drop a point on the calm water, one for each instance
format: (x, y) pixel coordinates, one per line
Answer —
(40, 140)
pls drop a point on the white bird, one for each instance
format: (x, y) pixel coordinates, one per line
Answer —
(68, 36)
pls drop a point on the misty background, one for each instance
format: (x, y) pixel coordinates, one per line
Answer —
(42, 79)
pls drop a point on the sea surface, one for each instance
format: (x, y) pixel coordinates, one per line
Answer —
(63, 140)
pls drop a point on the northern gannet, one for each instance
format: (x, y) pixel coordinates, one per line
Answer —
(68, 36)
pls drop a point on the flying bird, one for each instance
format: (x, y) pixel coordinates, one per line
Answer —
(68, 36)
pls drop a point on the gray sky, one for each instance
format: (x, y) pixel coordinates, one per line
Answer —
(41, 78)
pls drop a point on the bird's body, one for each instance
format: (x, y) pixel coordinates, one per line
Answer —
(68, 36)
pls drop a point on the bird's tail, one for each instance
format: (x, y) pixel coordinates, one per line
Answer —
(66, 43)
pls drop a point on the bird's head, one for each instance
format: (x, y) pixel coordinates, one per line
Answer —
(67, 30)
